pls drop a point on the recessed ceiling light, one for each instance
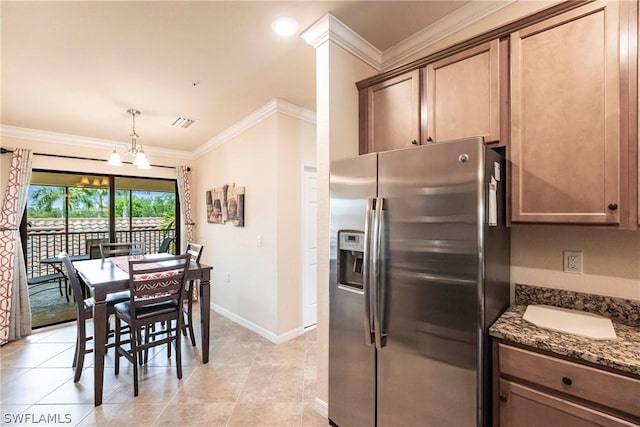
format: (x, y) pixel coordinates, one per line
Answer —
(284, 26)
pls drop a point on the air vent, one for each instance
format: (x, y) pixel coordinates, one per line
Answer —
(182, 122)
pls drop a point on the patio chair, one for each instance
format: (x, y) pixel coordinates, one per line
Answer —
(120, 249)
(194, 251)
(155, 300)
(164, 246)
(93, 247)
(84, 311)
(32, 282)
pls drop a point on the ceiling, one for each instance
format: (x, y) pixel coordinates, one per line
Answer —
(75, 67)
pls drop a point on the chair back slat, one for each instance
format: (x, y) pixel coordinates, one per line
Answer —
(157, 280)
(194, 251)
(121, 249)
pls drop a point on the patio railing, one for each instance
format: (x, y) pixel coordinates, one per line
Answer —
(48, 244)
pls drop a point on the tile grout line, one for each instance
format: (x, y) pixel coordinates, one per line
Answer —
(243, 384)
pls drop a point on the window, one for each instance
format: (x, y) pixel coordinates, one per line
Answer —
(65, 211)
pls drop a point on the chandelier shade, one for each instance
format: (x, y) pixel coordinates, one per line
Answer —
(135, 150)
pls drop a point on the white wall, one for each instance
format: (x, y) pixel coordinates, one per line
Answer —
(296, 144)
(264, 288)
(611, 259)
(249, 160)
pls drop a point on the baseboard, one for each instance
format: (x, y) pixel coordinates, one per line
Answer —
(321, 407)
(276, 339)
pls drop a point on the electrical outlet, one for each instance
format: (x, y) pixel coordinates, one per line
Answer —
(227, 277)
(572, 262)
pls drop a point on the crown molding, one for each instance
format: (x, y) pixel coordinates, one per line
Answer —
(272, 107)
(82, 141)
(442, 28)
(295, 111)
(330, 28)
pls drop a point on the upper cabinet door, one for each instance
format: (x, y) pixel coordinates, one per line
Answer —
(463, 95)
(393, 113)
(565, 113)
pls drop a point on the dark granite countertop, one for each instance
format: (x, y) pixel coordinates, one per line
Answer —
(622, 353)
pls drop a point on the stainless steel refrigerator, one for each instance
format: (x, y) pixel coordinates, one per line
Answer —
(419, 269)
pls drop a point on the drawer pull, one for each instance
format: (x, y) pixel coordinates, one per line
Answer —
(503, 398)
(566, 381)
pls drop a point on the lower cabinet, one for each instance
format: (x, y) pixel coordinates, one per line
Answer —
(522, 406)
(534, 389)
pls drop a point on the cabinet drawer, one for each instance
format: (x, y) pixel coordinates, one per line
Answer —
(595, 385)
(522, 406)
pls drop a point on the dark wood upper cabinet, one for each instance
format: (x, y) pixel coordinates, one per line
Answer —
(462, 94)
(392, 116)
(557, 89)
(565, 117)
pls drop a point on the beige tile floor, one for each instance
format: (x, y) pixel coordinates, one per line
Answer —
(248, 381)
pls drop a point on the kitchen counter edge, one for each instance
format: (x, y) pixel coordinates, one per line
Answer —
(620, 354)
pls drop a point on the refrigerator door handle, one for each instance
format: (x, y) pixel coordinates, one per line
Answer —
(366, 274)
(376, 253)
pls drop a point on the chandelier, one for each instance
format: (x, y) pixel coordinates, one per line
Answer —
(135, 151)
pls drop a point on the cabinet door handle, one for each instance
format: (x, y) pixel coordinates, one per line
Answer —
(566, 381)
(429, 139)
(503, 398)
(414, 142)
(613, 206)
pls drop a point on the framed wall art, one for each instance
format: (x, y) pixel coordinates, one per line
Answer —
(226, 204)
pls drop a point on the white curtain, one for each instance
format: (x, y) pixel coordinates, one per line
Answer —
(15, 312)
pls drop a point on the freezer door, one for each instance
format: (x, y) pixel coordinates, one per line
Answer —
(351, 360)
(429, 291)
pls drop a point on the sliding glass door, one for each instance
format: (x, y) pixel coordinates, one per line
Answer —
(145, 211)
(75, 212)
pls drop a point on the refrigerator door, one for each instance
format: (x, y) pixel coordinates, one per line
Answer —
(351, 354)
(429, 284)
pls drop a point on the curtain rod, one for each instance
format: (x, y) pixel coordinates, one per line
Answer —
(6, 150)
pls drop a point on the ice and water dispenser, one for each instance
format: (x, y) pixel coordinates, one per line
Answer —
(350, 258)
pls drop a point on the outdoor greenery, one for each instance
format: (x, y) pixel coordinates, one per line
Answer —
(48, 202)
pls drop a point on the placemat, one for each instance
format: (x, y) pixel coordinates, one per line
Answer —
(122, 262)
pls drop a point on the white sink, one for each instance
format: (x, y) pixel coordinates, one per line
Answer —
(570, 321)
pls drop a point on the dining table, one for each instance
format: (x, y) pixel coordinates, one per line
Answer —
(102, 277)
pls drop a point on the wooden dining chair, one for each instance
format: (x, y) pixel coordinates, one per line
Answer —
(120, 249)
(194, 251)
(84, 311)
(156, 289)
